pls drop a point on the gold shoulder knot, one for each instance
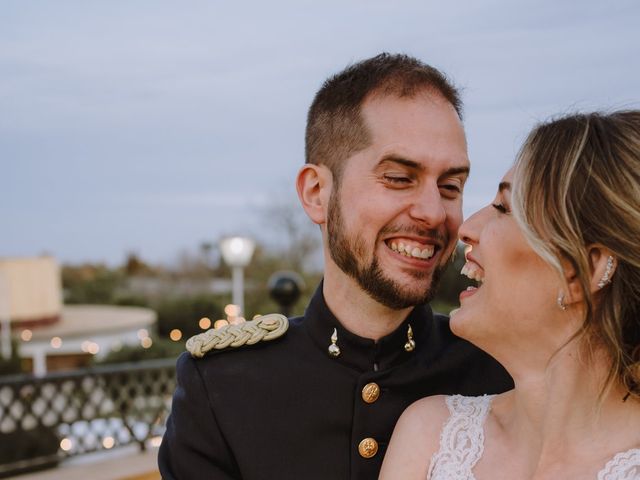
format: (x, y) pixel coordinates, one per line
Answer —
(263, 328)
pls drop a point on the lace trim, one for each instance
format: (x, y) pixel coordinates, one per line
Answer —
(623, 466)
(461, 439)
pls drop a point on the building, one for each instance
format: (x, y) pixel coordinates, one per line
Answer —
(53, 336)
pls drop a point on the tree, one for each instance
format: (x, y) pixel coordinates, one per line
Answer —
(452, 283)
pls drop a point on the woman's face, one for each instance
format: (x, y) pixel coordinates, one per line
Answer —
(516, 300)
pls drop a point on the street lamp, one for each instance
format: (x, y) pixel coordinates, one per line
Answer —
(237, 252)
(285, 288)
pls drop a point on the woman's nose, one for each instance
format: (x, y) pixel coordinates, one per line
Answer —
(470, 228)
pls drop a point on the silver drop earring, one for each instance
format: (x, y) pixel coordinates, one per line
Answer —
(606, 278)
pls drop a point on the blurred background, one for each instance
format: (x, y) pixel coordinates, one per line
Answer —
(136, 137)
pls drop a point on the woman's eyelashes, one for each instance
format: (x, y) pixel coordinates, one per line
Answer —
(500, 207)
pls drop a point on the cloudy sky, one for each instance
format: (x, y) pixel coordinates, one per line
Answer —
(153, 125)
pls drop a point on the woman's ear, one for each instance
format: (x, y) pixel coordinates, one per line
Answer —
(572, 282)
(602, 266)
(314, 183)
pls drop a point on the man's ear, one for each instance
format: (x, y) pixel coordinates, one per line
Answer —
(314, 183)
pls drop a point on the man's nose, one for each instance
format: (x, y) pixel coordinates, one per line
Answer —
(427, 207)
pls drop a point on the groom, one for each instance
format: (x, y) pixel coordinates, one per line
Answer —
(386, 164)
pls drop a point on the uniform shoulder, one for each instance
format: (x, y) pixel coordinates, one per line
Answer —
(441, 321)
(233, 336)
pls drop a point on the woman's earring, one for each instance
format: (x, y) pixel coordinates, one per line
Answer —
(411, 344)
(606, 278)
(560, 301)
(334, 349)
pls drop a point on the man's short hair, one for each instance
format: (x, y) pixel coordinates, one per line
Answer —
(335, 126)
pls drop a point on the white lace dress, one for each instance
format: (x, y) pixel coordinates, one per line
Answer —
(462, 444)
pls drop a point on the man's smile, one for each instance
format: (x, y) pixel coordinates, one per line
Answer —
(411, 248)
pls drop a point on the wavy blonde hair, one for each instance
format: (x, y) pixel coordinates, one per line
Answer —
(576, 184)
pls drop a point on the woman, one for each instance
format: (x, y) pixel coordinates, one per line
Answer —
(558, 259)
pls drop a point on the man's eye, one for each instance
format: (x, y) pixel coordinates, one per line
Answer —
(450, 191)
(397, 179)
(451, 187)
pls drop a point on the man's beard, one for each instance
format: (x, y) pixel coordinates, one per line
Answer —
(349, 254)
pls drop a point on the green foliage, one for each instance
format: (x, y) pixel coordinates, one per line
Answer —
(160, 348)
(185, 312)
(451, 284)
(131, 300)
(91, 284)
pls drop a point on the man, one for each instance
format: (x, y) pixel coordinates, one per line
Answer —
(386, 167)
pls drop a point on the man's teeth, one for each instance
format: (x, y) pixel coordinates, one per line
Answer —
(413, 251)
(472, 271)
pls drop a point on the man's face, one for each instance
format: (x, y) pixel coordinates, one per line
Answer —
(393, 217)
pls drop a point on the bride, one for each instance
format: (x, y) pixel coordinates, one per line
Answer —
(557, 255)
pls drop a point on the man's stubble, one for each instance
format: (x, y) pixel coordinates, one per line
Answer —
(349, 254)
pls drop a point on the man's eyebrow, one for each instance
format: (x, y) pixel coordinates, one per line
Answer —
(402, 161)
(456, 171)
(504, 186)
(418, 166)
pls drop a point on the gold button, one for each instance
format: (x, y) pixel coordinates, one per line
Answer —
(368, 448)
(370, 392)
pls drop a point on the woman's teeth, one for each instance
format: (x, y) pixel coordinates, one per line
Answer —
(472, 271)
(413, 251)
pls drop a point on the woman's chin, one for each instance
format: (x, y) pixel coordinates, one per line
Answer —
(455, 319)
(460, 322)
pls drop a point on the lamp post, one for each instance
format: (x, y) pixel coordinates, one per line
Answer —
(285, 288)
(237, 252)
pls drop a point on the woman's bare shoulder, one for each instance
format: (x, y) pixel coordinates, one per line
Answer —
(428, 407)
(415, 439)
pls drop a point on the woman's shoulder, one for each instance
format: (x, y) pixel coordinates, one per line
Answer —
(415, 439)
(443, 406)
(427, 410)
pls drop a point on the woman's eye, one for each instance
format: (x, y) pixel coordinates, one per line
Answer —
(500, 207)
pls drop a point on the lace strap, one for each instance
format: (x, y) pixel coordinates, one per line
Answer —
(623, 466)
(461, 439)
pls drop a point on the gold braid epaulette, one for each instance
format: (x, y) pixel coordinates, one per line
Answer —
(263, 328)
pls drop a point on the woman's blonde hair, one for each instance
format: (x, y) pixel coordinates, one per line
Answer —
(577, 184)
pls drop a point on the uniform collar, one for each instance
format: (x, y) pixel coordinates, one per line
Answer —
(361, 353)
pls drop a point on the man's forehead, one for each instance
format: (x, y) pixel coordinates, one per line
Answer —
(423, 132)
(388, 119)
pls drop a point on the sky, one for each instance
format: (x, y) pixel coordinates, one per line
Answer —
(151, 126)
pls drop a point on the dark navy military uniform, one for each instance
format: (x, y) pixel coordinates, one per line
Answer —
(286, 409)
